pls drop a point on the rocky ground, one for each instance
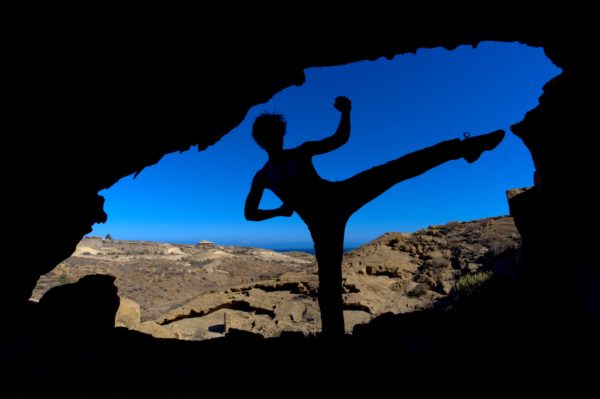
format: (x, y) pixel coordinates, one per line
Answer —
(201, 291)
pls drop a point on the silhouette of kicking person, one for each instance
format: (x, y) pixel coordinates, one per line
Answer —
(326, 206)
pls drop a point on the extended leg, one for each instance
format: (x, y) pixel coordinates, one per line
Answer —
(368, 185)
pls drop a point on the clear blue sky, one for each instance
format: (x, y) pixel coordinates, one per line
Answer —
(398, 106)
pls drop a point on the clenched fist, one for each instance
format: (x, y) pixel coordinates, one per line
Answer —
(342, 104)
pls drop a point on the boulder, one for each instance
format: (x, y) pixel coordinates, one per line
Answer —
(87, 306)
(156, 330)
(389, 263)
(128, 314)
(290, 311)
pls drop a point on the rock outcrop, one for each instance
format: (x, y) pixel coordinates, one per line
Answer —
(396, 273)
(196, 293)
(160, 276)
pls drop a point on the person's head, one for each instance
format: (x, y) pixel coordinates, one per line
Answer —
(268, 131)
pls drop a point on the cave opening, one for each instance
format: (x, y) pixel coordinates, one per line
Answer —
(399, 106)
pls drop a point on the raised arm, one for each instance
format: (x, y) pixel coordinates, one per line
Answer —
(341, 135)
(251, 210)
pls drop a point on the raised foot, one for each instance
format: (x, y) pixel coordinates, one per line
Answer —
(473, 147)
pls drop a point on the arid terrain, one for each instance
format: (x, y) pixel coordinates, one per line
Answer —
(201, 291)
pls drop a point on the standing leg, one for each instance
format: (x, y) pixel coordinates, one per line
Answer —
(329, 249)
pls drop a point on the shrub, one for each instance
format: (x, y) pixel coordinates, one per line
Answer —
(63, 278)
(471, 284)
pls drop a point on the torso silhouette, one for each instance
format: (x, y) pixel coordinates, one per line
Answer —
(294, 179)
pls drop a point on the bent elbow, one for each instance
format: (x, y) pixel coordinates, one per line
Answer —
(341, 140)
(249, 215)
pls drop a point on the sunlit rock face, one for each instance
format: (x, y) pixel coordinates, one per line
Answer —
(95, 105)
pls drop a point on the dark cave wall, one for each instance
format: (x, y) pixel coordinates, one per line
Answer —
(107, 103)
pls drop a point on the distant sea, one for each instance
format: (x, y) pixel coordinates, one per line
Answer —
(306, 250)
